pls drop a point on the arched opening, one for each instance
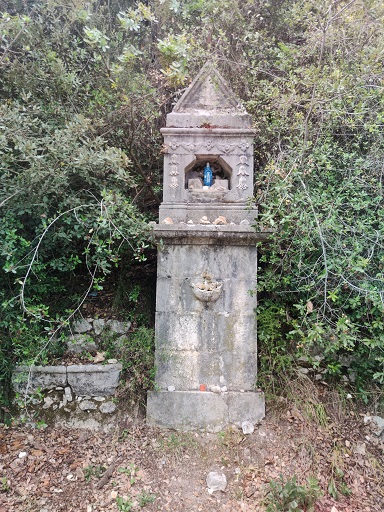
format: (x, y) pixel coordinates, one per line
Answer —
(221, 172)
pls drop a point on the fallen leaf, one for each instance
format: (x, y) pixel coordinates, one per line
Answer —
(37, 453)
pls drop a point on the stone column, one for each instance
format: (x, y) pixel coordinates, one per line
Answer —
(206, 343)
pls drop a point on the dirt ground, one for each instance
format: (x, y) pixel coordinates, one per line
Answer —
(136, 467)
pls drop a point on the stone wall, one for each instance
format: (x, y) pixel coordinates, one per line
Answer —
(75, 394)
(78, 395)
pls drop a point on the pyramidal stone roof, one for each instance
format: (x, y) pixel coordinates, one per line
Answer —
(208, 102)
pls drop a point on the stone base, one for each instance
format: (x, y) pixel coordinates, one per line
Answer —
(195, 410)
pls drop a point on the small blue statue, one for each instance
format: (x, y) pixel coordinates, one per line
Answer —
(207, 175)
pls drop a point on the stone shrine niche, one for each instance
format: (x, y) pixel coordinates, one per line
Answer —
(194, 179)
(207, 125)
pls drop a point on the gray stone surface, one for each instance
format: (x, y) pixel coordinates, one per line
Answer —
(198, 342)
(87, 405)
(98, 326)
(108, 408)
(377, 425)
(68, 394)
(248, 406)
(191, 410)
(97, 380)
(209, 100)
(33, 378)
(118, 327)
(187, 410)
(81, 326)
(78, 343)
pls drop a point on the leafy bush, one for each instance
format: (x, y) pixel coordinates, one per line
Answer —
(288, 496)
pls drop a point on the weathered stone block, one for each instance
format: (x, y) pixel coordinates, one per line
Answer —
(190, 410)
(98, 326)
(30, 379)
(81, 326)
(248, 406)
(78, 343)
(186, 410)
(118, 327)
(94, 380)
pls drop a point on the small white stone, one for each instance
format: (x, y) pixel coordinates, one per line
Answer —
(247, 427)
(171, 388)
(99, 357)
(22, 455)
(68, 394)
(214, 389)
(216, 481)
(224, 389)
(48, 401)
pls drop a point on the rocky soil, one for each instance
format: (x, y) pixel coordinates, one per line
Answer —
(134, 467)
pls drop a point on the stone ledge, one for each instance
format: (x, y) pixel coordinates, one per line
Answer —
(230, 131)
(194, 410)
(94, 380)
(209, 234)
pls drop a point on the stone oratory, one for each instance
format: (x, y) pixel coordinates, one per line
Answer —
(206, 341)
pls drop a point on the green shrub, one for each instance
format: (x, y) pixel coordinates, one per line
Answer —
(288, 496)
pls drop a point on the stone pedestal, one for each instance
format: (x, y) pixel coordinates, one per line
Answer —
(206, 328)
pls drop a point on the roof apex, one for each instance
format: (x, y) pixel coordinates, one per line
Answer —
(208, 92)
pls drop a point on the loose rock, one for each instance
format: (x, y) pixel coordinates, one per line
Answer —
(108, 408)
(247, 427)
(98, 326)
(87, 405)
(81, 326)
(80, 343)
(216, 481)
(119, 327)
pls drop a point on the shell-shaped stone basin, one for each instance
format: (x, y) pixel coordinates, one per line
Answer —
(207, 291)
